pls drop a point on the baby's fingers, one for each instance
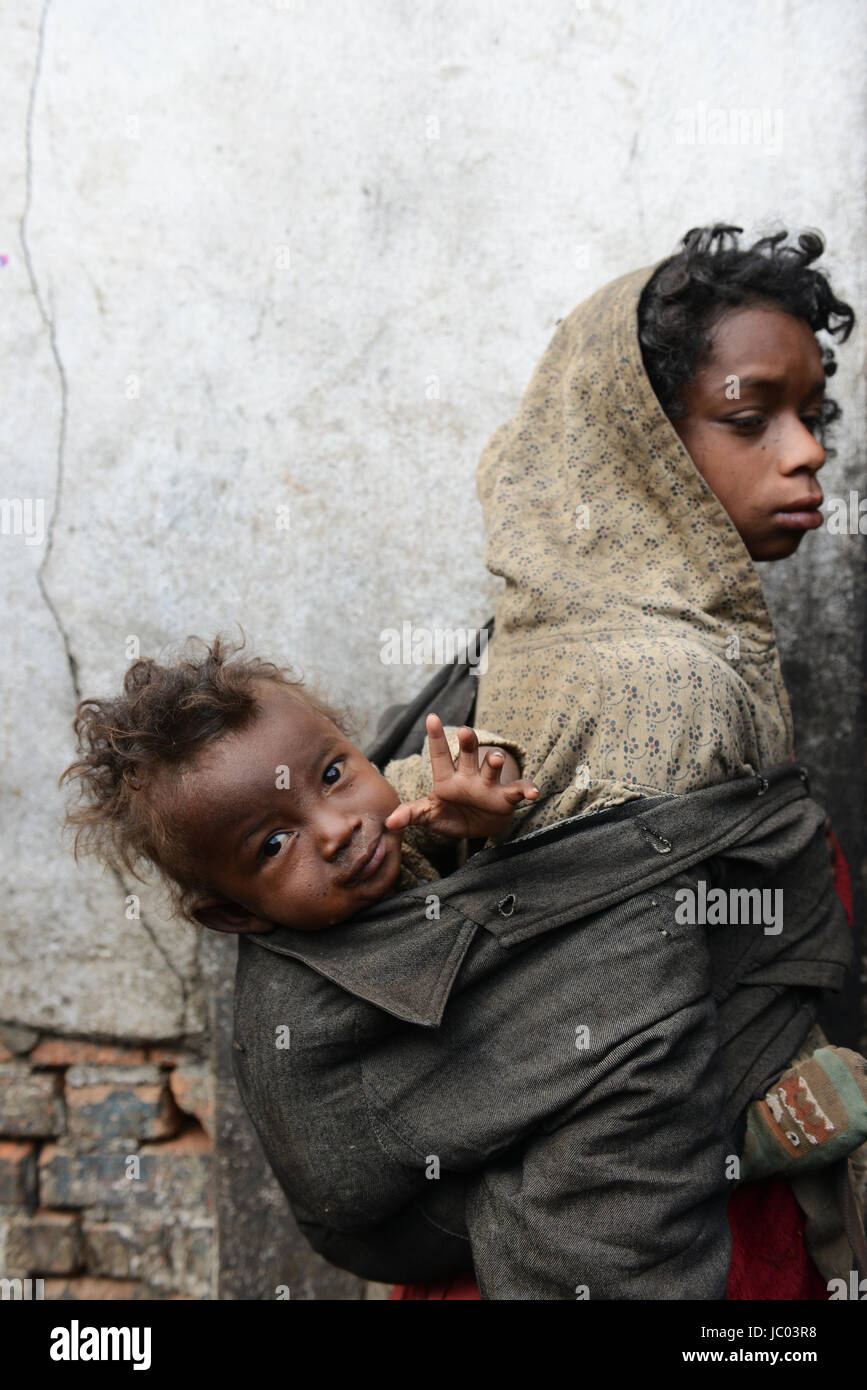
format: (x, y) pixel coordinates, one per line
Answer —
(408, 813)
(468, 751)
(492, 766)
(438, 747)
(521, 791)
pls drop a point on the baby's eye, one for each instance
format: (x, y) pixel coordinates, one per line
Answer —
(331, 767)
(273, 845)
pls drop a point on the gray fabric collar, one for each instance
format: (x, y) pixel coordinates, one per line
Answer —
(394, 956)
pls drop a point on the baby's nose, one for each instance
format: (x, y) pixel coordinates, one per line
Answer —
(339, 834)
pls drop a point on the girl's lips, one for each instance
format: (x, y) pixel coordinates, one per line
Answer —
(373, 862)
(800, 520)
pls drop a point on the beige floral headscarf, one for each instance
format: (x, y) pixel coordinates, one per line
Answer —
(633, 652)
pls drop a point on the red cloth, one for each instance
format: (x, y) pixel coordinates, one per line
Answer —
(842, 876)
(769, 1258)
(462, 1286)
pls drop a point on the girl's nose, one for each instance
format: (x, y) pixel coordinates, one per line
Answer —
(801, 449)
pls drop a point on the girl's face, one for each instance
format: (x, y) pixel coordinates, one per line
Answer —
(753, 413)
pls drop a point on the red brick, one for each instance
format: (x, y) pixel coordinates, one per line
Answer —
(48, 1242)
(119, 1103)
(68, 1290)
(193, 1140)
(122, 1249)
(72, 1052)
(192, 1088)
(71, 1179)
(174, 1176)
(173, 1257)
(17, 1173)
(164, 1056)
(193, 1247)
(31, 1105)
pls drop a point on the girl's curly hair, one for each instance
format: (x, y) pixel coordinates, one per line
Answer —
(163, 718)
(690, 291)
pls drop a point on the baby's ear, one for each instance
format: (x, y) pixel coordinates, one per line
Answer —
(229, 917)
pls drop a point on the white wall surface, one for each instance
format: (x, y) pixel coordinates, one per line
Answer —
(241, 243)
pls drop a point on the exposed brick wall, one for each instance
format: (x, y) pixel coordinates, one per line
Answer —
(106, 1168)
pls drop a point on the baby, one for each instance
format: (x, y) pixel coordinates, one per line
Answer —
(245, 793)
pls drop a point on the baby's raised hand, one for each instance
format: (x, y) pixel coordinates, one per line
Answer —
(468, 801)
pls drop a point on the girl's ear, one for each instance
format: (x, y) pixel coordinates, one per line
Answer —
(229, 917)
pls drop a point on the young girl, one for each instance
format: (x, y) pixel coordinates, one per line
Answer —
(671, 434)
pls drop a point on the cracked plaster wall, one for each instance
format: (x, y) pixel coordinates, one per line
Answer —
(307, 255)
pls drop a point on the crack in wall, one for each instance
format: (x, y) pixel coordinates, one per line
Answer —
(48, 321)
(50, 326)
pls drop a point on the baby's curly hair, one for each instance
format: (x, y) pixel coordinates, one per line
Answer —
(690, 291)
(161, 721)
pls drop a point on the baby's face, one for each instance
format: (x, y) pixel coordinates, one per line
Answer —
(758, 450)
(307, 855)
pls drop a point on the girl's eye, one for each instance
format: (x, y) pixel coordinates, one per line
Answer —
(748, 422)
(331, 767)
(273, 844)
(812, 422)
